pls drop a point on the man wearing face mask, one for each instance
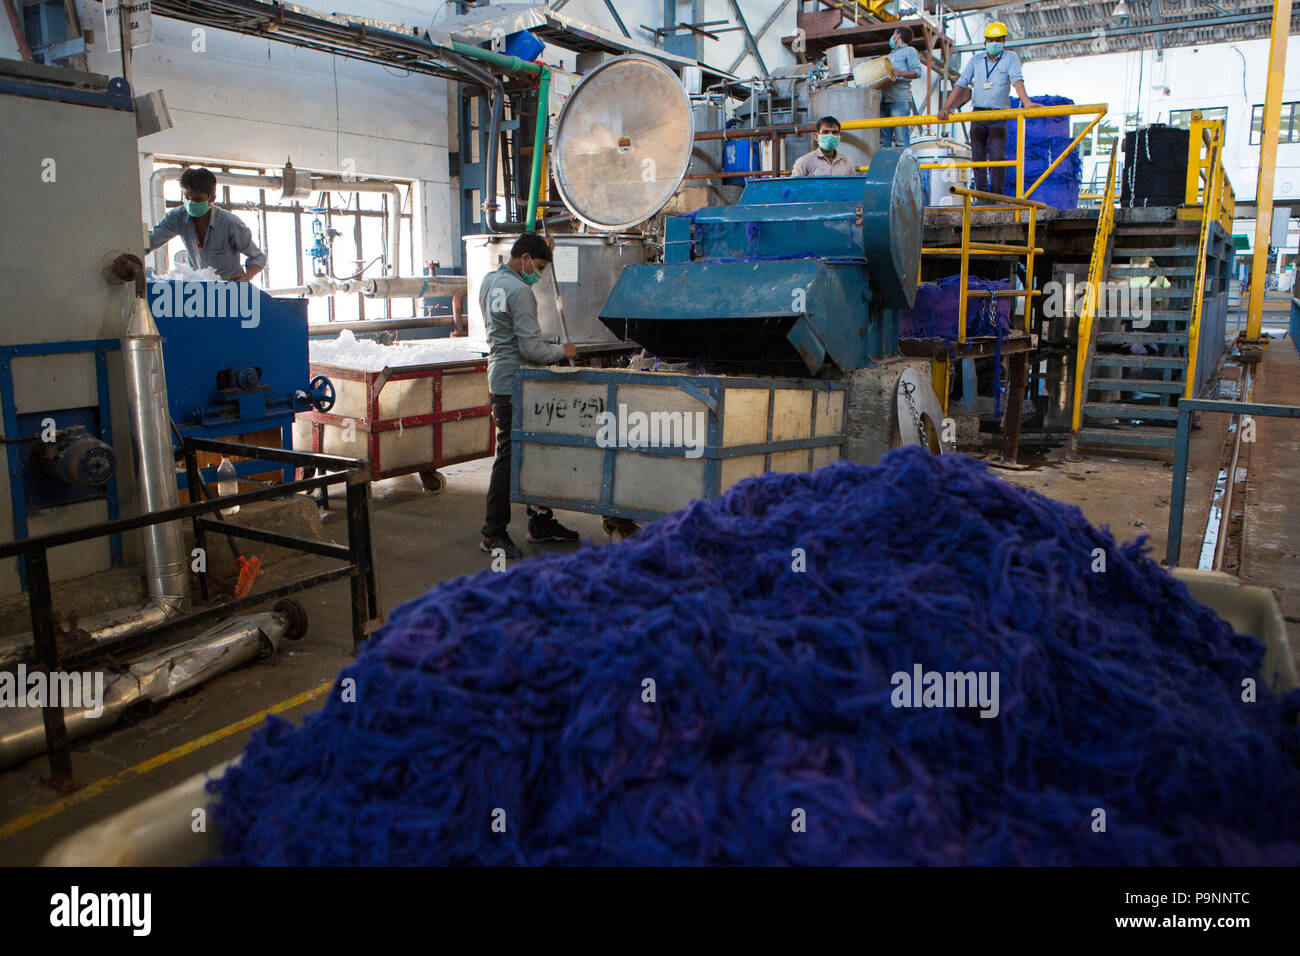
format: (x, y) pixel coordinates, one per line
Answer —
(509, 311)
(825, 160)
(212, 236)
(986, 81)
(896, 98)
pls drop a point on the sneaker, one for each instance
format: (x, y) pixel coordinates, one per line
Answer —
(500, 541)
(547, 530)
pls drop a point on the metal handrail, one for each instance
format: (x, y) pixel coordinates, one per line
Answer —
(969, 248)
(1096, 275)
(1211, 213)
(1096, 110)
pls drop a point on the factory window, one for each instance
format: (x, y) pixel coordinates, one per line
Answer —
(1183, 118)
(1288, 129)
(356, 225)
(1085, 147)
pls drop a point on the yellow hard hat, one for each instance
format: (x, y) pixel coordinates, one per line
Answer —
(997, 30)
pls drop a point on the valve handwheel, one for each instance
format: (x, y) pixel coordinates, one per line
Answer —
(322, 393)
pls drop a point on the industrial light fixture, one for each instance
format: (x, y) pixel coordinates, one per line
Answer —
(1121, 10)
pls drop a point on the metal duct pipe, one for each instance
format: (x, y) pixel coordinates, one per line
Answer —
(498, 90)
(322, 329)
(387, 287)
(166, 570)
(155, 677)
(158, 206)
(398, 287)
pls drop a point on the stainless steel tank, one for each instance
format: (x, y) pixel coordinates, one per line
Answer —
(706, 155)
(849, 103)
(586, 267)
(939, 180)
(839, 60)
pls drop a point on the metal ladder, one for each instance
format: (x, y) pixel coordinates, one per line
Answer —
(1137, 369)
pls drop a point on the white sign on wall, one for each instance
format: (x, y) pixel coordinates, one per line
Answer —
(565, 263)
(141, 23)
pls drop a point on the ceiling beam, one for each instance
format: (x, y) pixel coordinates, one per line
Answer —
(1115, 32)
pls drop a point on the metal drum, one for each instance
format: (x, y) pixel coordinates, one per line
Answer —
(849, 103)
(839, 60)
(587, 266)
(877, 73)
(937, 181)
(706, 156)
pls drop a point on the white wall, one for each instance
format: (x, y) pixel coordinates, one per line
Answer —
(1232, 75)
(248, 100)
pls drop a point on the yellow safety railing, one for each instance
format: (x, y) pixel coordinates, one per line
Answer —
(1092, 294)
(970, 248)
(1201, 162)
(1095, 110)
(1213, 208)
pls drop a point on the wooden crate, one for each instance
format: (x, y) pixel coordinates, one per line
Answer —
(406, 419)
(749, 426)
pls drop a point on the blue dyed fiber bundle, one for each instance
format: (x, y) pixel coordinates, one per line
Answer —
(935, 312)
(518, 697)
(1046, 138)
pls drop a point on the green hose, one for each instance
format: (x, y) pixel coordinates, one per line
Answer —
(512, 64)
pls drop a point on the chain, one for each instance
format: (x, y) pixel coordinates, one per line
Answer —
(908, 389)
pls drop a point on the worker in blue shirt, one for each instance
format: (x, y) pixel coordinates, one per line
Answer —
(514, 337)
(212, 236)
(986, 81)
(896, 98)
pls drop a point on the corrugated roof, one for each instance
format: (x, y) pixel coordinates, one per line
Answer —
(1061, 28)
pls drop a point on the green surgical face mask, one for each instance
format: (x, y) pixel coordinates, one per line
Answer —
(196, 209)
(993, 48)
(531, 278)
(828, 141)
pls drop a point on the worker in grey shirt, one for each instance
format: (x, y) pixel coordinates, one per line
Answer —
(896, 98)
(514, 335)
(212, 236)
(826, 159)
(986, 81)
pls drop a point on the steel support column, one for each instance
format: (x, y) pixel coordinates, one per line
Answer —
(1268, 165)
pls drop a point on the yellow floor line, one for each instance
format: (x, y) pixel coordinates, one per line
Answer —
(93, 790)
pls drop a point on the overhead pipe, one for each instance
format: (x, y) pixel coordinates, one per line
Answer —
(511, 64)
(158, 206)
(152, 678)
(383, 287)
(322, 329)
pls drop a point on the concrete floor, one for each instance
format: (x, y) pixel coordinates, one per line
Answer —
(421, 539)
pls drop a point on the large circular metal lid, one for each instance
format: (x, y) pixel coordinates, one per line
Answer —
(894, 225)
(623, 142)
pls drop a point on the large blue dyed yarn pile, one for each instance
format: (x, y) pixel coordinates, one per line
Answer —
(938, 304)
(523, 691)
(1046, 138)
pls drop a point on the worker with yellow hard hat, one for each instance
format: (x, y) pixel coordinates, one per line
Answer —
(986, 82)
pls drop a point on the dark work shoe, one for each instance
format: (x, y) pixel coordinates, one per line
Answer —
(500, 542)
(547, 530)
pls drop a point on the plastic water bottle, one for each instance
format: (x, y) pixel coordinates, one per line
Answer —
(227, 483)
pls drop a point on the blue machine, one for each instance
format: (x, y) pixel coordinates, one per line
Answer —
(236, 360)
(805, 270)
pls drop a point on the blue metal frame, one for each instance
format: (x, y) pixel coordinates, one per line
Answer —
(13, 449)
(710, 390)
(1178, 494)
(116, 97)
